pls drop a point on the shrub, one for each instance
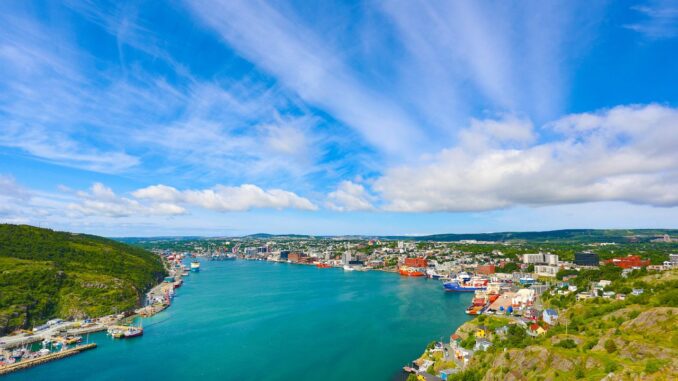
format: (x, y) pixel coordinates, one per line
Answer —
(567, 344)
(610, 346)
(653, 365)
(611, 367)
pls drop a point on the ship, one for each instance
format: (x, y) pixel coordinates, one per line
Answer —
(125, 332)
(464, 283)
(410, 271)
(413, 267)
(195, 266)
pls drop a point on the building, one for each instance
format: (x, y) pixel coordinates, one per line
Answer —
(546, 270)
(346, 258)
(485, 269)
(533, 258)
(541, 258)
(284, 255)
(629, 262)
(551, 259)
(586, 259)
(550, 316)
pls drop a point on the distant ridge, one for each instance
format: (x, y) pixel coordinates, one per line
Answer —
(563, 235)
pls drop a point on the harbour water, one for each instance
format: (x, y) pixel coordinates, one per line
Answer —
(245, 320)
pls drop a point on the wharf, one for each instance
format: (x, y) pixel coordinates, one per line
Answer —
(46, 358)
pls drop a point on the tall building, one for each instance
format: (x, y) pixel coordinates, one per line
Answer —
(586, 259)
(551, 259)
(346, 258)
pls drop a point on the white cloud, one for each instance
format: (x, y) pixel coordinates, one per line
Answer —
(627, 153)
(307, 64)
(102, 201)
(659, 19)
(227, 198)
(350, 196)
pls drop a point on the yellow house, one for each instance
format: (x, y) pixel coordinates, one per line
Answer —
(481, 332)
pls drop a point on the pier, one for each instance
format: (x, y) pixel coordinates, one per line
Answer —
(24, 364)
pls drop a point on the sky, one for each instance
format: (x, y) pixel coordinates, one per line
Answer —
(220, 118)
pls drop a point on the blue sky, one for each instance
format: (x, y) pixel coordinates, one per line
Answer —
(400, 117)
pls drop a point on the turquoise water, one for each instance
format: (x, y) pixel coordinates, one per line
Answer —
(243, 320)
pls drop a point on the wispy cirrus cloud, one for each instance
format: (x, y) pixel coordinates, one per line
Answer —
(128, 118)
(658, 19)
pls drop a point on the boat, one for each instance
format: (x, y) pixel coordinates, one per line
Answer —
(410, 271)
(348, 268)
(433, 274)
(125, 332)
(321, 265)
(464, 284)
(195, 266)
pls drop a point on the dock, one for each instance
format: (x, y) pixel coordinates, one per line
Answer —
(24, 364)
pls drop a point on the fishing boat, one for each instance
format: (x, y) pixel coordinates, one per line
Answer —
(195, 266)
(464, 284)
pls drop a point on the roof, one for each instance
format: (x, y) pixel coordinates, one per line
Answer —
(534, 326)
(455, 337)
(550, 312)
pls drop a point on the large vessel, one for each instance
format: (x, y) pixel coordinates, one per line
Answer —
(413, 267)
(195, 266)
(465, 283)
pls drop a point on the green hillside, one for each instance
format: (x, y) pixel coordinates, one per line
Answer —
(631, 339)
(46, 274)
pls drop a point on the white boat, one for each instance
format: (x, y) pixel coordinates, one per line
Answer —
(195, 266)
(348, 268)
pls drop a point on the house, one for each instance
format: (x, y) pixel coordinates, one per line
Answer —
(482, 331)
(535, 330)
(609, 294)
(482, 345)
(501, 331)
(446, 373)
(463, 354)
(637, 291)
(550, 316)
(455, 340)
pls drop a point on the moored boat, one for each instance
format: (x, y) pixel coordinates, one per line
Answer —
(462, 285)
(195, 266)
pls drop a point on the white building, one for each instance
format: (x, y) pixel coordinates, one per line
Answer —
(546, 270)
(533, 258)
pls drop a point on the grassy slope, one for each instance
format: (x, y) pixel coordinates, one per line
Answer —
(642, 329)
(46, 274)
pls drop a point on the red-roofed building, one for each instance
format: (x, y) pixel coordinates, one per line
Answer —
(628, 262)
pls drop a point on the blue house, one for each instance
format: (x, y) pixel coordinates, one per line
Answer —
(550, 316)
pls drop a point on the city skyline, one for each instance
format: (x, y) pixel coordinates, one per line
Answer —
(401, 118)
